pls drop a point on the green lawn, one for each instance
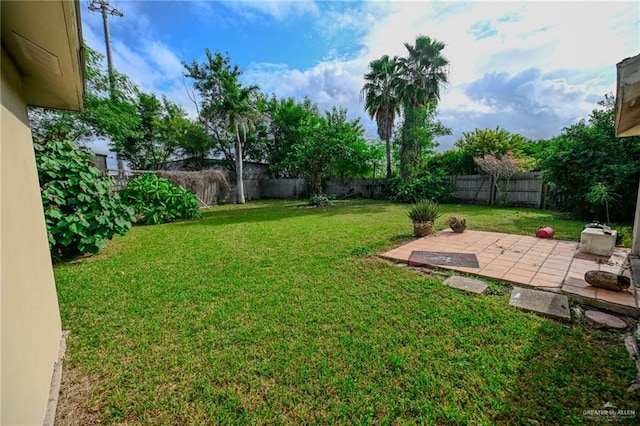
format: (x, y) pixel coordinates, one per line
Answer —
(271, 313)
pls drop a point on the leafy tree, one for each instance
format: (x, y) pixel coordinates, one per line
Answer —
(142, 129)
(359, 160)
(588, 153)
(196, 145)
(162, 129)
(497, 142)
(426, 185)
(324, 139)
(416, 139)
(451, 162)
(381, 98)
(287, 127)
(226, 104)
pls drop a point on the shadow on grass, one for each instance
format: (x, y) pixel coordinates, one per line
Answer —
(262, 211)
(562, 383)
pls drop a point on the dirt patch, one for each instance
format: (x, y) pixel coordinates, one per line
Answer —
(75, 406)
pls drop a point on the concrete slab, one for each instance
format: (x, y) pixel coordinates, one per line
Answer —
(551, 305)
(466, 284)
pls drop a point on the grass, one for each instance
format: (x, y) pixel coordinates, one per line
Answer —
(270, 313)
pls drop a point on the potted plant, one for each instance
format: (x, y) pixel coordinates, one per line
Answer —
(423, 213)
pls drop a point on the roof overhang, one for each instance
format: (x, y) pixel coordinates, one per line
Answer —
(44, 40)
(628, 98)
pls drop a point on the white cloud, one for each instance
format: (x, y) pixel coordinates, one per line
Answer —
(531, 67)
(277, 9)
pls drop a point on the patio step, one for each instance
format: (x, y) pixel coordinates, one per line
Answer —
(552, 305)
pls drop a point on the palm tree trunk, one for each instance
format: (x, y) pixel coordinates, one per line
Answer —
(239, 171)
(388, 159)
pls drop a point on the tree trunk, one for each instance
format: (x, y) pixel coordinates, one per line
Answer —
(388, 159)
(316, 185)
(239, 171)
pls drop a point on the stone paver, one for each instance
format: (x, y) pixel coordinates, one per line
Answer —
(601, 319)
(553, 265)
(549, 304)
(467, 284)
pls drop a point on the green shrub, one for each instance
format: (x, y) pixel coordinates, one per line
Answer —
(320, 200)
(80, 212)
(156, 200)
(427, 186)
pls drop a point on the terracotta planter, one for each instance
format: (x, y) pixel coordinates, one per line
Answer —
(422, 229)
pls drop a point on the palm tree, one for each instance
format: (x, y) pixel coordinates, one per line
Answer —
(381, 98)
(238, 110)
(421, 76)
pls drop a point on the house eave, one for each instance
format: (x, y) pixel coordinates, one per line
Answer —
(51, 61)
(628, 98)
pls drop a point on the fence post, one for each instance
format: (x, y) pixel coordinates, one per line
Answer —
(492, 190)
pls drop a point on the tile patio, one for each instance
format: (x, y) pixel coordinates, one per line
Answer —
(544, 264)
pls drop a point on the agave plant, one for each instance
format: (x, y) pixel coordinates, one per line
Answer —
(424, 211)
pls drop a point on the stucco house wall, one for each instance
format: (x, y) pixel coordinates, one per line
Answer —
(41, 64)
(30, 319)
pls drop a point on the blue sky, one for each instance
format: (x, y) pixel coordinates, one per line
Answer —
(530, 67)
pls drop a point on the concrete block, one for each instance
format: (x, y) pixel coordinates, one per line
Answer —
(551, 305)
(596, 241)
(466, 284)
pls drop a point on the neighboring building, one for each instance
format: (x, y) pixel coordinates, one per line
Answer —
(101, 162)
(43, 65)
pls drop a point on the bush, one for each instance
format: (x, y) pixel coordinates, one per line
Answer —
(79, 210)
(155, 200)
(428, 186)
(320, 200)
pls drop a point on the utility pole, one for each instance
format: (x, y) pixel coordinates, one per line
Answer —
(104, 7)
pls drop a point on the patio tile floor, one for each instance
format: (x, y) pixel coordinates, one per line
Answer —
(532, 262)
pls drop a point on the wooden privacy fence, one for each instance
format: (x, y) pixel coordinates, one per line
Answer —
(523, 189)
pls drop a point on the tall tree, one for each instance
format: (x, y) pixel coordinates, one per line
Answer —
(162, 129)
(416, 139)
(226, 103)
(240, 113)
(422, 74)
(287, 126)
(381, 98)
(496, 142)
(587, 155)
(325, 139)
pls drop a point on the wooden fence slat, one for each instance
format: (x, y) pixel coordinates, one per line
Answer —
(525, 189)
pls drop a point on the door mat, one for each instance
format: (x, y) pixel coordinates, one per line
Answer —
(441, 258)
